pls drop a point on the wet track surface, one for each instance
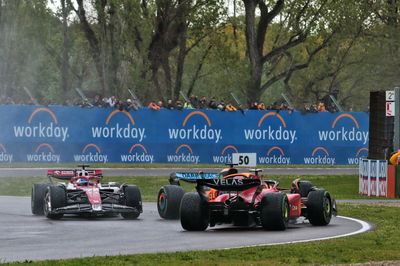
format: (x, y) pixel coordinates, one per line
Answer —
(24, 236)
(7, 172)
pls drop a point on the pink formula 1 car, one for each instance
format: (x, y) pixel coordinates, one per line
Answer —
(84, 194)
(244, 199)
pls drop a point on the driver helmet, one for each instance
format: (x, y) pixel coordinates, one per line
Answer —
(228, 171)
(82, 182)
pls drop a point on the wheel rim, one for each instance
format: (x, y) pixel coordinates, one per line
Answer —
(47, 203)
(327, 207)
(285, 210)
(162, 201)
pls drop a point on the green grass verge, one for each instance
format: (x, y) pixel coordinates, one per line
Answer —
(382, 244)
(340, 186)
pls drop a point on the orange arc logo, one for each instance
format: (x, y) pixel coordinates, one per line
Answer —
(276, 148)
(91, 145)
(272, 114)
(197, 113)
(360, 150)
(320, 149)
(345, 115)
(229, 147)
(43, 109)
(118, 111)
(45, 145)
(3, 148)
(184, 146)
(138, 145)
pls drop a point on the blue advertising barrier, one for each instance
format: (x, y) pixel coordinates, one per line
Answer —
(59, 134)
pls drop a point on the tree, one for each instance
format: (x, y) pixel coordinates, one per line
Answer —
(283, 25)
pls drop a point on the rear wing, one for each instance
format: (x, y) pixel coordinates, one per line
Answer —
(174, 178)
(67, 174)
(229, 184)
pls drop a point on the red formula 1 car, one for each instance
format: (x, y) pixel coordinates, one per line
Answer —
(84, 194)
(244, 199)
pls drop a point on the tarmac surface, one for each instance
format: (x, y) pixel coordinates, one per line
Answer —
(24, 236)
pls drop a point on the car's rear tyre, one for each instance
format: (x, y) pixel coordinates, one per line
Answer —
(37, 198)
(275, 211)
(55, 197)
(305, 187)
(194, 212)
(319, 207)
(169, 201)
(133, 199)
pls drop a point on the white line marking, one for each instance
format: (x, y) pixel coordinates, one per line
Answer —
(364, 228)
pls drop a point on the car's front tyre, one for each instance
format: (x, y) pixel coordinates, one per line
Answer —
(37, 198)
(319, 207)
(55, 197)
(133, 198)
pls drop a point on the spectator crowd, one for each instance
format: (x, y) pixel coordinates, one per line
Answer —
(193, 102)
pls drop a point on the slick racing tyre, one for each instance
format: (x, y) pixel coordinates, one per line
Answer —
(194, 213)
(133, 198)
(55, 197)
(274, 211)
(169, 201)
(37, 198)
(319, 207)
(305, 187)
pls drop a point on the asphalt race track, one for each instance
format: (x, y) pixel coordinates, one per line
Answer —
(27, 237)
(24, 172)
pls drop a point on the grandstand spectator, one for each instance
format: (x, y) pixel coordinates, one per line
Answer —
(230, 107)
(170, 105)
(112, 101)
(321, 107)
(194, 101)
(187, 105)
(178, 105)
(313, 108)
(153, 106)
(97, 102)
(212, 104)
(254, 106)
(203, 103)
(261, 106)
(221, 105)
(160, 104)
(333, 108)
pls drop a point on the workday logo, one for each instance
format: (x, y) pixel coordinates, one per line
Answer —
(226, 155)
(37, 128)
(183, 154)
(349, 131)
(91, 153)
(363, 152)
(271, 133)
(4, 156)
(320, 155)
(193, 131)
(119, 130)
(275, 155)
(44, 153)
(137, 154)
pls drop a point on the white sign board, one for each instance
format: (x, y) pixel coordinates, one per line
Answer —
(390, 96)
(390, 109)
(245, 159)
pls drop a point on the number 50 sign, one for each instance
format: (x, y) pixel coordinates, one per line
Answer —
(245, 159)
